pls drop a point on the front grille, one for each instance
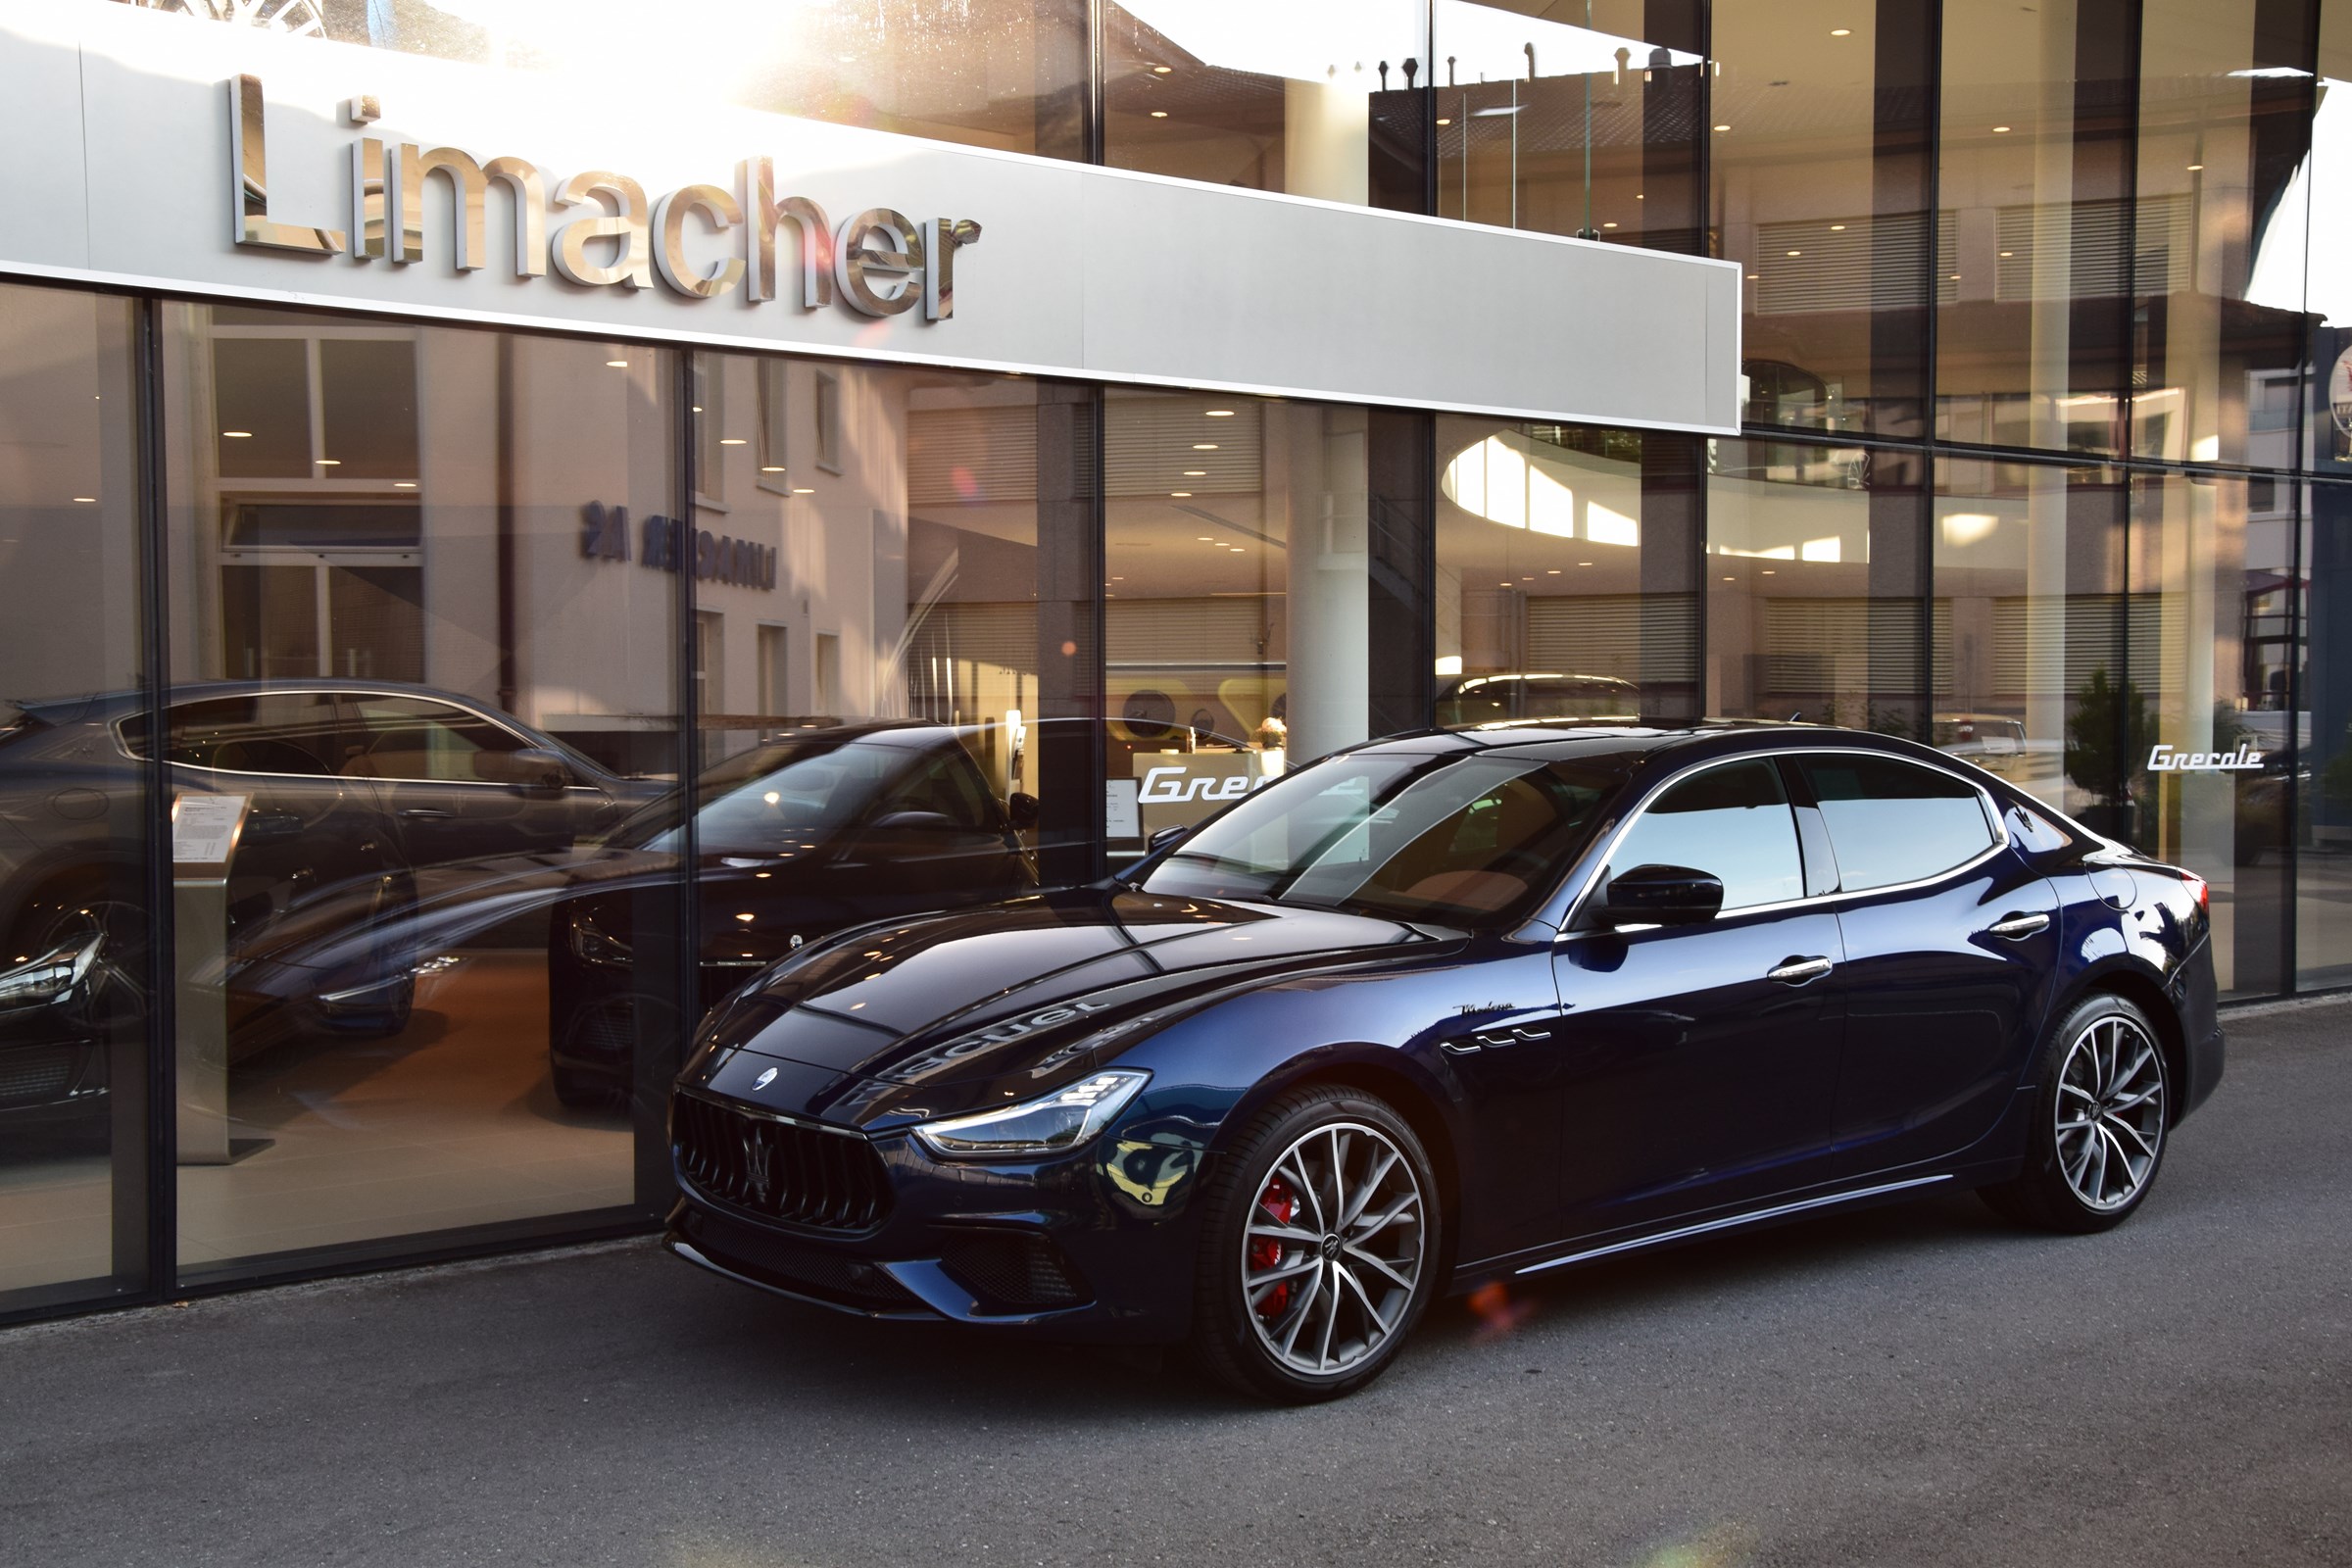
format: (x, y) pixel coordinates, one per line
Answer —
(29, 1077)
(829, 1181)
(605, 1030)
(795, 1265)
(1011, 1270)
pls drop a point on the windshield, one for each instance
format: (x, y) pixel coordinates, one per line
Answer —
(1465, 841)
(775, 798)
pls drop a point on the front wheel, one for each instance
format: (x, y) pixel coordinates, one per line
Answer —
(1320, 1247)
(2098, 1124)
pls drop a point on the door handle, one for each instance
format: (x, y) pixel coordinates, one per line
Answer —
(1796, 971)
(2014, 926)
(427, 814)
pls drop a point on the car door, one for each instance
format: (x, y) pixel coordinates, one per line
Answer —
(1951, 941)
(936, 838)
(1704, 1056)
(306, 827)
(447, 777)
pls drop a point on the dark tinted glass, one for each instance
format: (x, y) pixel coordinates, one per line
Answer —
(1893, 822)
(1465, 843)
(1731, 822)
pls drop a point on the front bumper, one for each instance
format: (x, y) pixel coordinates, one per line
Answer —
(1063, 1248)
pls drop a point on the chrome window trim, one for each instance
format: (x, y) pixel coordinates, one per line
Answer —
(1992, 808)
(115, 727)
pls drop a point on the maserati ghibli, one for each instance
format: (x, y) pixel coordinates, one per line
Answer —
(1448, 1009)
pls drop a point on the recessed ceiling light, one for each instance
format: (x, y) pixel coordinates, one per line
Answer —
(1551, 572)
(1608, 226)
(1159, 114)
(618, 365)
(1723, 127)
(1637, 196)
(239, 435)
(1195, 473)
(803, 490)
(769, 467)
(330, 463)
(733, 441)
(2193, 167)
(86, 499)
(2008, 253)
(1204, 446)
(404, 485)
(1218, 413)
(1770, 572)
(1181, 495)
(1836, 229)
(1205, 539)
(1955, 278)
(1236, 549)
(698, 407)
(1796, 252)
(1841, 32)
(2000, 131)
(1583, 563)
(1730, 579)
(1162, 71)
(1444, 121)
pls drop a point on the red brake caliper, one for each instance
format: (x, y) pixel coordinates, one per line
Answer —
(1265, 1252)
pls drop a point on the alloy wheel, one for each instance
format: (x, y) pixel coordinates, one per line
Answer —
(2110, 1113)
(1333, 1248)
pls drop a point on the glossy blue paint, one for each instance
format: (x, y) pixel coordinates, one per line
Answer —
(1581, 1089)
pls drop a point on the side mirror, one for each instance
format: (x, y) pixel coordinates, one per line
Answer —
(1661, 895)
(1022, 810)
(533, 767)
(1166, 836)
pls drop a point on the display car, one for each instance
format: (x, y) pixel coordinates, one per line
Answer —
(1450, 1009)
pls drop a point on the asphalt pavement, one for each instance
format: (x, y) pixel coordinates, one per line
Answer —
(1911, 1386)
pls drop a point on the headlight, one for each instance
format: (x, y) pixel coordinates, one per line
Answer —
(50, 976)
(596, 945)
(1051, 1125)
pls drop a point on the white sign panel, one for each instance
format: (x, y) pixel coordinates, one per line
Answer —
(151, 150)
(203, 828)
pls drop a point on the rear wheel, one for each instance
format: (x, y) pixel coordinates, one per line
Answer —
(2099, 1130)
(1320, 1247)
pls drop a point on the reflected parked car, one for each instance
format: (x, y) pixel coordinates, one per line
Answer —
(795, 839)
(1528, 697)
(350, 789)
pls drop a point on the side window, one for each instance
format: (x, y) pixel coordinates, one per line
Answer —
(950, 785)
(1733, 822)
(412, 738)
(288, 733)
(1893, 821)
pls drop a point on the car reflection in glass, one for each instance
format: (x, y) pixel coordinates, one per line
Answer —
(353, 792)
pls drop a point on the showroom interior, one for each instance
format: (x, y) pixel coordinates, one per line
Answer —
(554, 675)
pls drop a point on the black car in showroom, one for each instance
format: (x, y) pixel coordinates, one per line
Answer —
(1450, 1009)
(352, 788)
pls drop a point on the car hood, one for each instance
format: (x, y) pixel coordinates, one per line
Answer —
(1026, 985)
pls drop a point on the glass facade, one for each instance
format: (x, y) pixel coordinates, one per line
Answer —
(410, 728)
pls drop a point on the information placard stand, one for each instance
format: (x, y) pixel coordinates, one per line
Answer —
(204, 841)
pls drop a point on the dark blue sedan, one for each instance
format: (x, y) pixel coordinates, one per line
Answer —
(1445, 1009)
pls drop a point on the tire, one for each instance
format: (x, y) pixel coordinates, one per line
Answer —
(2086, 1173)
(1341, 1302)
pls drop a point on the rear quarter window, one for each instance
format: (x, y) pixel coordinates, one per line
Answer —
(1892, 821)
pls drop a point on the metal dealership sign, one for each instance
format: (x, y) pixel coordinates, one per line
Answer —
(877, 262)
(2166, 759)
